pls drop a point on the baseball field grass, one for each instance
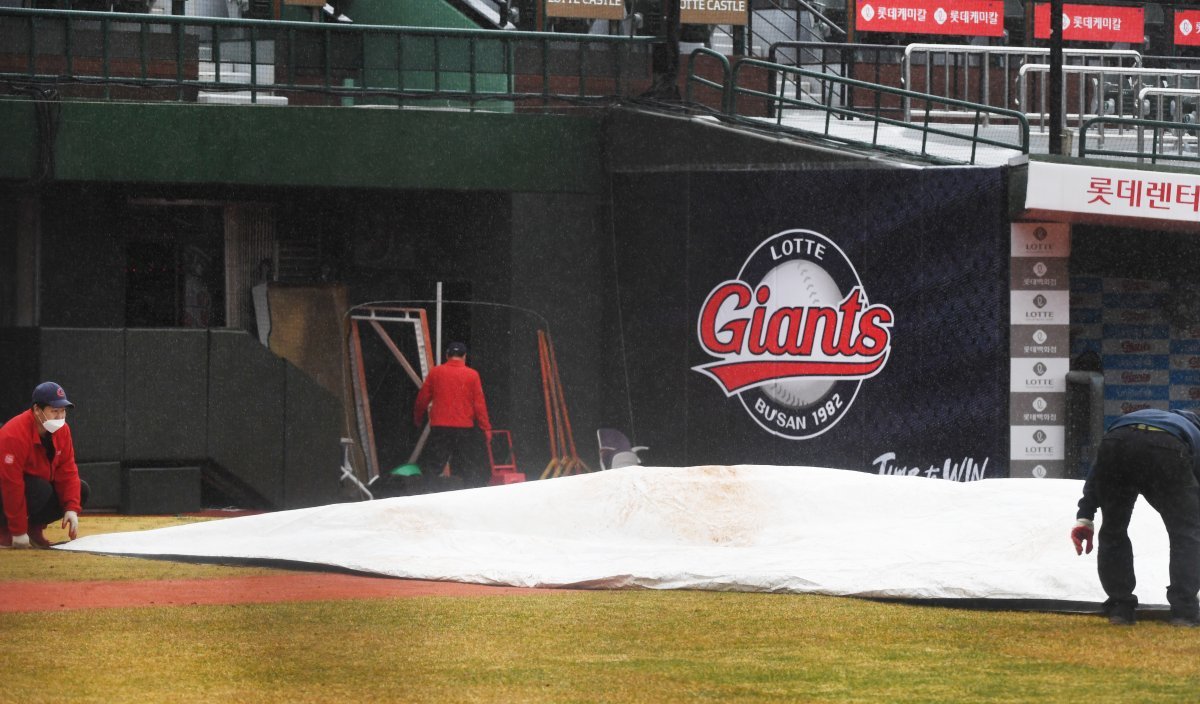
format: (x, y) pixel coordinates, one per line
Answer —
(572, 646)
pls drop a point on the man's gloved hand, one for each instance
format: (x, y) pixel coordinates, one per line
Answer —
(70, 518)
(1083, 532)
(21, 541)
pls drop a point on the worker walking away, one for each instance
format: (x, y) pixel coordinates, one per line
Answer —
(1155, 454)
(39, 481)
(452, 396)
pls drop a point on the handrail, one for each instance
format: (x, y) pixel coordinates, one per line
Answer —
(816, 13)
(819, 19)
(844, 68)
(723, 87)
(1164, 91)
(1120, 72)
(479, 65)
(1023, 50)
(974, 138)
(1158, 126)
(966, 51)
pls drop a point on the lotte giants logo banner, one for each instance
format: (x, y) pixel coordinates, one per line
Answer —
(1187, 27)
(1094, 23)
(794, 334)
(976, 18)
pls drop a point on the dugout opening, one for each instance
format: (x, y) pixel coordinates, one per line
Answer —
(1134, 322)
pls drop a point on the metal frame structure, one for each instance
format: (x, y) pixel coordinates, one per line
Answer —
(375, 317)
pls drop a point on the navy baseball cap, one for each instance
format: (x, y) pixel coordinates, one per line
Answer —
(456, 349)
(48, 393)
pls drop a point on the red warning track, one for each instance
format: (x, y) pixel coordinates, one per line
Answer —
(260, 589)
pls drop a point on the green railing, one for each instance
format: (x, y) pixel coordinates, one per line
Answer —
(750, 102)
(115, 56)
(1165, 138)
(696, 80)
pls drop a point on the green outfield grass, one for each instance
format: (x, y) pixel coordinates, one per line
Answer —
(70, 566)
(628, 646)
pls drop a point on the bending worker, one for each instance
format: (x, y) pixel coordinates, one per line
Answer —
(453, 397)
(1156, 454)
(39, 481)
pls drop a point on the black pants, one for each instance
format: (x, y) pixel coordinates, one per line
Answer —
(1158, 466)
(462, 448)
(42, 503)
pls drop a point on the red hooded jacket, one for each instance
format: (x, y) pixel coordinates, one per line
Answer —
(21, 453)
(456, 393)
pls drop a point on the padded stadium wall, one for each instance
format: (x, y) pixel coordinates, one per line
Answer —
(931, 244)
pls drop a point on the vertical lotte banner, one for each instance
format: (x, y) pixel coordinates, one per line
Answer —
(1040, 329)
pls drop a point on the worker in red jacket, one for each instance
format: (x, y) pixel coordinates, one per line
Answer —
(452, 395)
(39, 481)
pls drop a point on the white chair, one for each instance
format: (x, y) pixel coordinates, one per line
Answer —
(348, 469)
(616, 450)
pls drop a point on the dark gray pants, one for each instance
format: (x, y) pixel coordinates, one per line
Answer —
(1158, 466)
(42, 503)
(463, 448)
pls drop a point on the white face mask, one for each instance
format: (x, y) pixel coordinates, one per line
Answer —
(52, 425)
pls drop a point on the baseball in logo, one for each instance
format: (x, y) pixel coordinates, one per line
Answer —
(794, 334)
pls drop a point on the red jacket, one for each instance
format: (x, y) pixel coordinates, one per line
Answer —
(456, 393)
(21, 453)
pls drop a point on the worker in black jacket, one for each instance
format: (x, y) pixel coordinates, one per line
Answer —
(1156, 454)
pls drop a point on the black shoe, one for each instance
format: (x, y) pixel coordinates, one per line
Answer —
(1122, 617)
(1185, 621)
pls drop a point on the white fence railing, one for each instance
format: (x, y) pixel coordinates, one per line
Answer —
(987, 74)
(1106, 91)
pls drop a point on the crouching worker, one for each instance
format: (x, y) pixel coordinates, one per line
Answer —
(39, 481)
(1155, 454)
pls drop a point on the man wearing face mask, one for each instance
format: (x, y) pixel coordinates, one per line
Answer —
(39, 481)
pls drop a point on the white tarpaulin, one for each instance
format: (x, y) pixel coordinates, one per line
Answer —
(746, 528)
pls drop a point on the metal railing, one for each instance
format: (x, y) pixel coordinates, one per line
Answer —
(859, 125)
(693, 79)
(1101, 91)
(1169, 141)
(1176, 110)
(115, 56)
(754, 34)
(874, 63)
(985, 74)
(1186, 62)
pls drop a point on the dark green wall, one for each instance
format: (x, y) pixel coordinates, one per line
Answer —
(562, 268)
(309, 146)
(178, 397)
(18, 139)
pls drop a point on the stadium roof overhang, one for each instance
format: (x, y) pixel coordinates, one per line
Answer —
(1110, 193)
